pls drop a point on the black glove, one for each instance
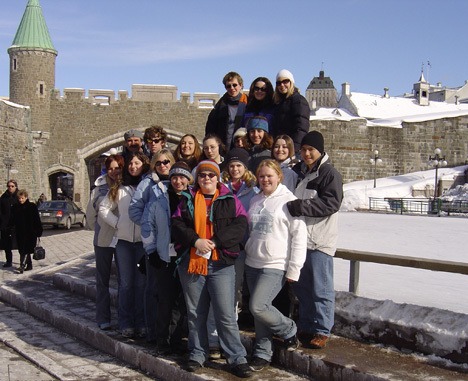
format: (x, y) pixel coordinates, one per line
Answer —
(294, 208)
(155, 260)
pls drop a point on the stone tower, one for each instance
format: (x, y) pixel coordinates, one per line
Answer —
(32, 66)
(421, 91)
(321, 92)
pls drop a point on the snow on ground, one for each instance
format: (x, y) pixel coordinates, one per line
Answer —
(427, 236)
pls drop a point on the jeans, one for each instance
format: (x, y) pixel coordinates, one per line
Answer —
(131, 284)
(316, 294)
(264, 285)
(217, 289)
(103, 257)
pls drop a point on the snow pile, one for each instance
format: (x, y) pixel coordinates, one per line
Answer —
(357, 194)
(426, 330)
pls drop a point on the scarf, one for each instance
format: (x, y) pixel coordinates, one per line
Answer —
(198, 264)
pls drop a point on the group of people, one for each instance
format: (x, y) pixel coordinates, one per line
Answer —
(257, 201)
(20, 226)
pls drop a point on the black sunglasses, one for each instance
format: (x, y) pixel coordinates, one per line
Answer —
(262, 89)
(229, 85)
(203, 175)
(165, 162)
(155, 141)
(283, 82)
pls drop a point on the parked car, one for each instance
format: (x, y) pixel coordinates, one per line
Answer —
(62, 213)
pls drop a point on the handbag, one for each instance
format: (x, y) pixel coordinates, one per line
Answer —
(39, 251)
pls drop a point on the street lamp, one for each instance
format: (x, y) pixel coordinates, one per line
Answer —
(8, 161)
(437, 161)
(374, 161)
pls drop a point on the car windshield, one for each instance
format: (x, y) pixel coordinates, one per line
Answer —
(52, 205)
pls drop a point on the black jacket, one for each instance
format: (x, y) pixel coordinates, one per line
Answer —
(28, 227)
(7, 200)
(292, 117)
(229, 220)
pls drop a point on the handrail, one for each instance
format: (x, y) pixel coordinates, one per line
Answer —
(355, 257)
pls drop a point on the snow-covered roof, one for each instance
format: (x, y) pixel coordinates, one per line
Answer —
(334, 113)
(13, 104)
(371, 106)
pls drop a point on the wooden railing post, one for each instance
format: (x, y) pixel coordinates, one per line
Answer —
(354, 276)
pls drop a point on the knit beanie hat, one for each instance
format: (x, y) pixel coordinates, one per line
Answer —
(238, 154)
(257, 122)
(240, 132)
(314, 139)
(208, 165)
(181, 169)
(284, 74)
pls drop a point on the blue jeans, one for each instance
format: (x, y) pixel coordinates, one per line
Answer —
(217, 288)
(131, 284)
(316, 294)
(103, 257)
(264, 285)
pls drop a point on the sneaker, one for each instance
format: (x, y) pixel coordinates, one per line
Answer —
(318, 341)
(128, 332)
(104, 326)
(242, 370)
(193, 366)
(215, 354)
(257, 364)
(291, 343)
(7, 264)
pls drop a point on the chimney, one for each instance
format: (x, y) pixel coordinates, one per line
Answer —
(385, 89)
(346, 89)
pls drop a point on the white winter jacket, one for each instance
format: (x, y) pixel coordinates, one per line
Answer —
(277, 240)
(115, 214)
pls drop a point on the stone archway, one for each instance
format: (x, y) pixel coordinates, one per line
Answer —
(60, 176)
(86, 173)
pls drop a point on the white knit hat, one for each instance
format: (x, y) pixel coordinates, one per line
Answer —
(285, 74)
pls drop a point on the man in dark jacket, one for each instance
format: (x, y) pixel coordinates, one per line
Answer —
(227, 115)
(319, 193)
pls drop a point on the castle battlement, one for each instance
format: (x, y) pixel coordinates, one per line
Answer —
(140, 93)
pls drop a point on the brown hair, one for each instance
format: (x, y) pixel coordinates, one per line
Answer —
(197, 153)
(289, 143)
(23, 192)
(233, 75)
(120, 162)
(155, 132)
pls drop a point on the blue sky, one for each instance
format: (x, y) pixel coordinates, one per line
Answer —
(371, 44)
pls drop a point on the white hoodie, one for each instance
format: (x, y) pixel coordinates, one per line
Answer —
(277, 240)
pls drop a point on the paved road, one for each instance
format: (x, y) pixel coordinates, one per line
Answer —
(34, 340)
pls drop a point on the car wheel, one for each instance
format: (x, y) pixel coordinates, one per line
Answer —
(83, 222)
(68, 223)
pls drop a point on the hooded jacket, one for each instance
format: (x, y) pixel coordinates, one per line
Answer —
(277, 240)
(103, 232)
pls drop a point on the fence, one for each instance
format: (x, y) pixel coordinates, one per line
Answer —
(417, 205)
(356, 257)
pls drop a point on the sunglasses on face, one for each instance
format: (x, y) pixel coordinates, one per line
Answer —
(204, 175)
(163, 162)
(283, 82)
(155, 141)
(262, 89)
(229, 85)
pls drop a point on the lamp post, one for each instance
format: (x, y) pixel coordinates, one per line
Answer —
(437, 161)
(374, 161)
(8, 161)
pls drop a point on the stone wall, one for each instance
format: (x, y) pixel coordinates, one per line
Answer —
(83, 127)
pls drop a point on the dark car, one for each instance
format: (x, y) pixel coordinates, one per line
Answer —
(61, 213)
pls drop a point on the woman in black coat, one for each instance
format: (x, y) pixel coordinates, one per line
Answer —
(292, 112)
(28, 227)
(7, 200)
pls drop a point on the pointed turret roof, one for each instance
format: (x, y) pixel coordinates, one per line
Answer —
(32, 31)
(422, 79)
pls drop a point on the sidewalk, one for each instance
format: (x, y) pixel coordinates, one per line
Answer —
(59, 293)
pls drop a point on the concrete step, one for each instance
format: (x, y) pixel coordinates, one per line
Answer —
(63, 297)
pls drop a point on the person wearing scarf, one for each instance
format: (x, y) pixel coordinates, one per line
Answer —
(208, 227)
(228, 113)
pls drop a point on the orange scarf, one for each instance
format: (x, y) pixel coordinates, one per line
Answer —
(198, 264)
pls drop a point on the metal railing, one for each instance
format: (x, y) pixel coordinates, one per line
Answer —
(356, 257)
(417, 205)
